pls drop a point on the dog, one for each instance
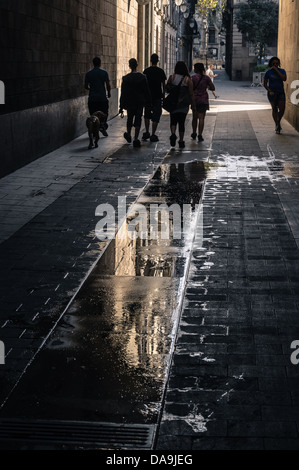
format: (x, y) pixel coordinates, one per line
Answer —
(95, 124)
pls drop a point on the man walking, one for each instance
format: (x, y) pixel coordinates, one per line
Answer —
(135, 95)
(98, 83)
(156, 80)
(211, 74)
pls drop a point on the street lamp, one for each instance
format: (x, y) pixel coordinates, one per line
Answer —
(183, 8)
(191, 23)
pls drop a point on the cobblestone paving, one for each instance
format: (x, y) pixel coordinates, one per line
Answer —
(232, 384)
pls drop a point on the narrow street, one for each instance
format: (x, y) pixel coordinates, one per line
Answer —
(169, 344)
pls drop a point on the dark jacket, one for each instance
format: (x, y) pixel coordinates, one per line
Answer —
(134, 91)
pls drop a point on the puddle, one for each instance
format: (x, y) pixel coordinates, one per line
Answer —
(285, 168)
(108, 358)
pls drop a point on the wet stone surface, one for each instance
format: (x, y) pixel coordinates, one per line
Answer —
(109, 356)
(231, 384)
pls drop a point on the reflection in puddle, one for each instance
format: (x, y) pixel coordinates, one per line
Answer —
(108, 358)
(169, 205)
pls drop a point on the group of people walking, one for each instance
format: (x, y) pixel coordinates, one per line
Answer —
(142, 95)
(147, 90)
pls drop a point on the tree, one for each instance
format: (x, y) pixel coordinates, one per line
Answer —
(204, 7)
(257, 20)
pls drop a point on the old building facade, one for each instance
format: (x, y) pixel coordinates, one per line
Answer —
(240, 54)
(288, 52)
(46, 50)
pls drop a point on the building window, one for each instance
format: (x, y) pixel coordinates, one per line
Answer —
(212, 36)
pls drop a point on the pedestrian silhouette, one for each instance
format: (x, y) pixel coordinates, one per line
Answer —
(156, 80)
(98, 83)
(135, 94)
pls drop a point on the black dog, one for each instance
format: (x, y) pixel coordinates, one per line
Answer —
(96, 123)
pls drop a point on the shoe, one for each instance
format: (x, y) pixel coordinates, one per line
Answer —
(136, 143)
(103, 131)
(146, 135)
(193, 136)
(173, 139)
(278, 128)
(128, 137)
(181, 144)
(200, 138)
(154, 138)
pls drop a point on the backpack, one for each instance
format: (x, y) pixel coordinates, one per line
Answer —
(171, 100)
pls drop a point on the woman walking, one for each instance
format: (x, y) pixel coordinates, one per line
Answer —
(273, 82)
(201, 82)
(181, 78)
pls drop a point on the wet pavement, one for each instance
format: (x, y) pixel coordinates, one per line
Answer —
(179, 342)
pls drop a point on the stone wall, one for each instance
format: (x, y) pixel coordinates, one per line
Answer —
(46, 48)
(127, 36)
(288, 52)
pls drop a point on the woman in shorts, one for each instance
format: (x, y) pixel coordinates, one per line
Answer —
(181, 78)
(201, 83)
(273, 82)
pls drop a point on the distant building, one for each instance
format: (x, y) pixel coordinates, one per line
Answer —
(240, 54)
(211, 38)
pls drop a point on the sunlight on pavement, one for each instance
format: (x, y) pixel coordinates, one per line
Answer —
(241, 107)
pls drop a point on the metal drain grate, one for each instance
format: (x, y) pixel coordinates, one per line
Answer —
(75, 434)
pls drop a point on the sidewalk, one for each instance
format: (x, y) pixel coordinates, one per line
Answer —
(231, 383)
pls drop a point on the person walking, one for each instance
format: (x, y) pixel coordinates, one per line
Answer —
(211, 74)
(98, 83)
(135, 94)
(201, 83)
(273, 82)
(156, 80)
(181, 78)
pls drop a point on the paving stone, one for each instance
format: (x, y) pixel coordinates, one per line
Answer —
(231, 382)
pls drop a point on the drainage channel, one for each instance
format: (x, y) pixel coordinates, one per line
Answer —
(99, 381)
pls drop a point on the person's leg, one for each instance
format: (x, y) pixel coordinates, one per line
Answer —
(181, 122)
(274, 112)
(173, 125)
(156, 115)
(201, 123)
(147, 124)
(147, 120)
(130, 116)
(137, 125)
(137, 130)
(280, 113)
(194, 124)
(274, 105)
